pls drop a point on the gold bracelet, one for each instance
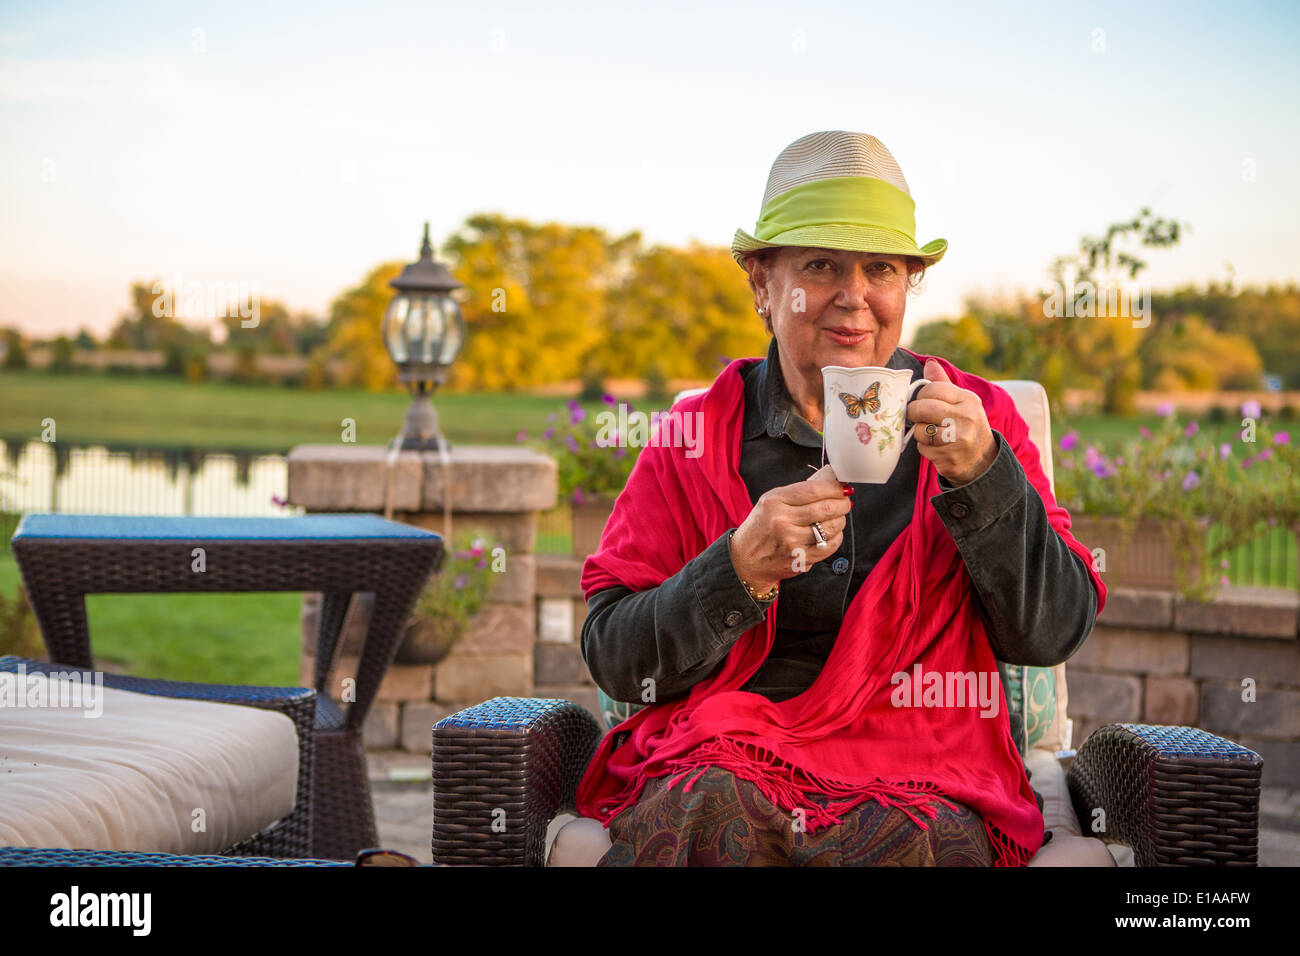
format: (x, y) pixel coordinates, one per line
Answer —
(766, 598)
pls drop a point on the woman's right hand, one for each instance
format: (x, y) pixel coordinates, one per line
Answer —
(763, 549)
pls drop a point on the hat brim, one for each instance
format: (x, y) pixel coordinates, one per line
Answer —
(848, 237)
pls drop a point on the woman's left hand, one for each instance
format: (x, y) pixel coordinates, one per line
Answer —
(964, 446)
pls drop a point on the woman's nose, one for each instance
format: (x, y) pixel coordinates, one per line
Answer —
(854, 287)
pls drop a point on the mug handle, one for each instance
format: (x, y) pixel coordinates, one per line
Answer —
(919, 383)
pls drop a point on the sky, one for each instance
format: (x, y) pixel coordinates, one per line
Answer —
(293, 147)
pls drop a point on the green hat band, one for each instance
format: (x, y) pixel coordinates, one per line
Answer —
(842, 200)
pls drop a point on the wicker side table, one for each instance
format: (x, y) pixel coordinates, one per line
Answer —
(63, 558)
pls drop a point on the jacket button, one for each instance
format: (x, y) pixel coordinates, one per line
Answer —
(733, 618)
(959, 509)
(840, 565)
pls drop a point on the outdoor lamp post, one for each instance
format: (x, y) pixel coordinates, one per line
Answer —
(423, 332)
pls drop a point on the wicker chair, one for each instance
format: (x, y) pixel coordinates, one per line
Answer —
(1174, 795)
(288, 837)
(64, 557)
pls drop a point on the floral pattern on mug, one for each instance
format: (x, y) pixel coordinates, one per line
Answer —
(864, 433)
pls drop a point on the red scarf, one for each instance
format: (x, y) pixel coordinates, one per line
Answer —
(844, 737)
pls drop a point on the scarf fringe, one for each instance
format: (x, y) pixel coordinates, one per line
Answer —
(789, 787)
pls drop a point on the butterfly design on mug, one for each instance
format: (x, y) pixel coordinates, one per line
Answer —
(869, 401)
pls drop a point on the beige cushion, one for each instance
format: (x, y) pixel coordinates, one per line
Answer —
(132, 777)
(1068, 847)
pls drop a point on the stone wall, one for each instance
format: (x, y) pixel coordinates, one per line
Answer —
(1157, 658)
(498, 491)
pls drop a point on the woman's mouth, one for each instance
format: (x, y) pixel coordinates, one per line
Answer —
(846, 336)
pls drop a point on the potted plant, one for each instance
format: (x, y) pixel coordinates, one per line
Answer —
(448, 603)
(1149, 503)
(594, 462)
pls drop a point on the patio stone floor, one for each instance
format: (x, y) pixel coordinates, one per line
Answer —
(403, 794)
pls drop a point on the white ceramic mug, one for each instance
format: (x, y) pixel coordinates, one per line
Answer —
(865, 414)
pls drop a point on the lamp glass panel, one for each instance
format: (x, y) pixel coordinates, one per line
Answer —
(394, 320)
(454, 335)
(433, 329)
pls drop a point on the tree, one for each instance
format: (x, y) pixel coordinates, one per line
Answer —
(535, 298)
(354, 330)
(680, 313)
(15, 352)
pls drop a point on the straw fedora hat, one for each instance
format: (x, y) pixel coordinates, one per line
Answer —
(837, 190)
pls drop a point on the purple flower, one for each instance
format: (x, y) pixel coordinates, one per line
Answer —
(1191, 481)
(1264, 455)
(1144, 431)
(1251, 409)
(1224, 451)
(521, 437)
(1247, 462)
(1091, 457)
(620, 452)
(1191, 429)
(572, 443)
(548, 434)
(1102, 469)
(1069, 440)
(578, 498)
(278, 501)
(461, 581)
(1282, 438)
(1224, 564)
(608, 399)
(1165, 409)
(481, 563)
(576, 413)
(551, 417)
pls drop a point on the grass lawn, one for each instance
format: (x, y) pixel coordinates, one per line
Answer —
(167, 412)
(215, 638)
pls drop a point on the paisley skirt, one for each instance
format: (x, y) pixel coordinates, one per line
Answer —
(725, 821)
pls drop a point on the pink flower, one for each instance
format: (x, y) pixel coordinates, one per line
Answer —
(1091, 458)
(1223, 580)
(1225, 450)
(1264, 455)
(1251, 409)
(578, 498)
(1069, 440)
(608, 399)
(1165, 409)
(548, 434)
(521, 437)
(864, 433)
(1191, 429)
(1144, 431)
(1282, 438)
(1191, 481)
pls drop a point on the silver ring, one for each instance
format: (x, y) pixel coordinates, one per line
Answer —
(820, 535)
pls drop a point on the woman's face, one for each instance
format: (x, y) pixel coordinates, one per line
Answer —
(832, 307)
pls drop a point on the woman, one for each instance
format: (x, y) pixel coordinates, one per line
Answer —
(777, 733)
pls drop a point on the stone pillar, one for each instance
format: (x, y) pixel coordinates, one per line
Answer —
(494, 489)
